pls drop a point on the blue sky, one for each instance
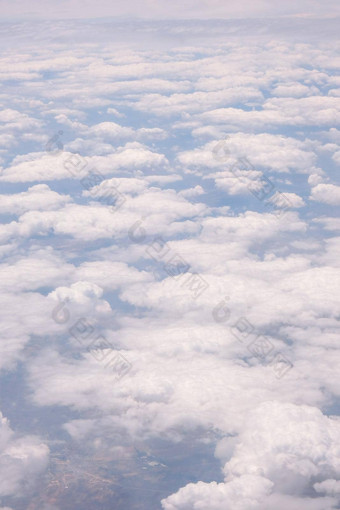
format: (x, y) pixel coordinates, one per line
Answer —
(169, 258)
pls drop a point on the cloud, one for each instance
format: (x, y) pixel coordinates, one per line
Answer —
(280, 451)
(313, 111)
(331, 487)
(276, 152)
(65, 165)
(294, 200)
(22, 460)
(329, 223)
(195, 102)
(326, 193)
(39, 197)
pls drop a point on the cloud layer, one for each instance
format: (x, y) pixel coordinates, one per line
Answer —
(169, 273)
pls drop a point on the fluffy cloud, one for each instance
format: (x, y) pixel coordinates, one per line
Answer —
(38, 197)
(22, 460)
(281, 450)
(315, 111)
(326, 193)
(65, 165)
(277, 152)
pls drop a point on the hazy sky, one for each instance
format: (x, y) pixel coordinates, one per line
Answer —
(188, 9)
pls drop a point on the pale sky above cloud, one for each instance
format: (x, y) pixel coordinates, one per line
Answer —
(161, 9)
